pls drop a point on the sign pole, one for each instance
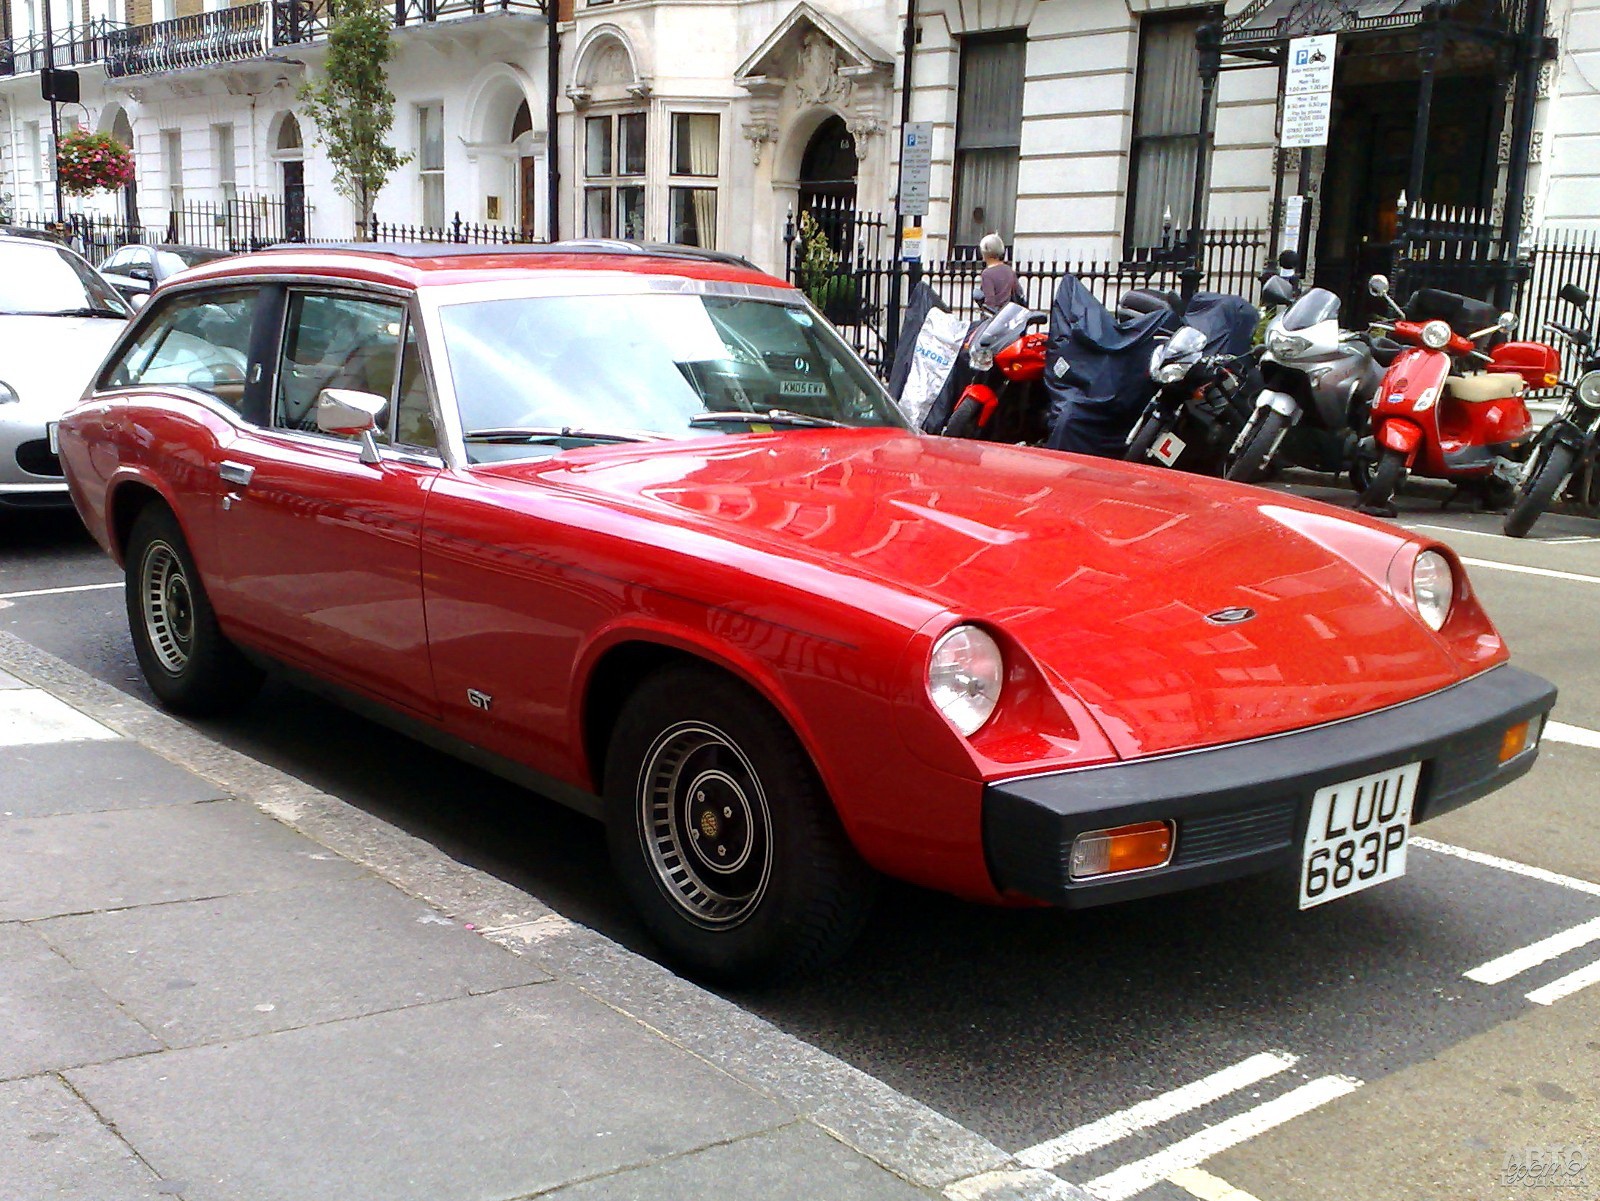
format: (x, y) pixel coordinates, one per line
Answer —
(55, 112)
(908, 47)
(1307, 113)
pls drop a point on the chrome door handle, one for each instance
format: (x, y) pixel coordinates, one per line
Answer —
(239, 474)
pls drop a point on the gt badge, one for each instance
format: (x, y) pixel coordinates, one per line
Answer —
(479, 700)
(1230, 617)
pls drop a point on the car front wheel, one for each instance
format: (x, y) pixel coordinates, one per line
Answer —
(188, 663)
(722, 835)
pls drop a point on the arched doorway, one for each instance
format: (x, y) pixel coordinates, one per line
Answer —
(828, 180)
(527, 172)
(122, 130)
(288, 147)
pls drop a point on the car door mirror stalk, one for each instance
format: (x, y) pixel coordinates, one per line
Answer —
(348, 412)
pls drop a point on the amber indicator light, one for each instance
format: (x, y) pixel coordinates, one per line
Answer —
(1121, 849)
(1515, 741)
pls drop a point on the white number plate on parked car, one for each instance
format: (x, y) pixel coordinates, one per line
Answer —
(1357, 834)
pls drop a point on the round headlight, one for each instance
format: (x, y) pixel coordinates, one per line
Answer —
(1433, 586)
(981, 358)
(1587, 391)
(1436, 335)
(8, 394)
(965, 672)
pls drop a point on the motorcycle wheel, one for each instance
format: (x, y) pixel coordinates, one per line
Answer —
(1551, 465)
(1250, 465)
(963, 422)
(1378, 497)
(1144, 438)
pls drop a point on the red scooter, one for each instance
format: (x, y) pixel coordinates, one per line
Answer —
(1003, 400)
(1446, 409)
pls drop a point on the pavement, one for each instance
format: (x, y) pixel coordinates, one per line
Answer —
(217, 982)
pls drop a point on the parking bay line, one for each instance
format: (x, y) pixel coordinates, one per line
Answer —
(1456, 529)
(1200, 1183)
(1567, 985)
(1116, 1126)
(1522, 569)
(8, 596)
(1139, 1175)
(1508, 865)
(1514, 963)
(1560, 731)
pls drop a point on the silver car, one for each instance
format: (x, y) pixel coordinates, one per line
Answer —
(58, 318)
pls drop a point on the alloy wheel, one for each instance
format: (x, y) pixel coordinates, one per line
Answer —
(168, 606)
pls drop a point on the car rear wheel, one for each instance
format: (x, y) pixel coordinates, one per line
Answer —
(722, 835)
(188, 663)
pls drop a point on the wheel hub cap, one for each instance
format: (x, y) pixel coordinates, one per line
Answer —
(168, 607)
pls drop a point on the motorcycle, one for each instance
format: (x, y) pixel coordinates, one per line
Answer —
(1314, 376)
(1433, 418)
(1202, 375)
(1567, 447)
(1000, 401)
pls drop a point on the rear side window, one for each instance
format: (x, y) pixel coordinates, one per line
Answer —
(197, 340)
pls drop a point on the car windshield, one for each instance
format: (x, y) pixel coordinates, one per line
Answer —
(648, 365)
(45, 280)
(1315, 306)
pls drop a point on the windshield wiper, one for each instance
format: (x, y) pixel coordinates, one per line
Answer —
(88, 311)
(770, 417)
(551, 433)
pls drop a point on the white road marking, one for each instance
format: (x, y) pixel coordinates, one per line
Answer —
(1007, 1183)
(1567, 985)
(1116, 1126)
(1560, 731)
(29, 716)
(1566, 540)
(1508, 865)
(1139, 1175)
(9, 596)
(1514, 963)
(1522, 569)
(1200, 1183)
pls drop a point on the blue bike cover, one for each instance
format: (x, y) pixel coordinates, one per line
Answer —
(1228, 322)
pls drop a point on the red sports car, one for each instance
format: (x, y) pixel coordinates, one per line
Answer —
(634, 526)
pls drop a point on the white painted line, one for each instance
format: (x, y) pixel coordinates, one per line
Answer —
(29, 716)
(1508, 865)
(1560, 731)
(1521, 569)
(1567, 985)
(1199, 1183)
(1116, 1126)
(1139, 1175)
(1514, 963)
(6, 596)
(1011, 1184)
(1566, 540)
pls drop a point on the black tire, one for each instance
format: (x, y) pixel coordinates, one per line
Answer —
(1144, 438)
(963, 422)
(1254, 459)
(1378, 498)
(1551, 464)
(188, 663)
(707, 789)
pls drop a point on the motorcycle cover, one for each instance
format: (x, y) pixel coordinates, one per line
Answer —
(922, 301)
(937, 346)
(1228, 322)
(1097, 370)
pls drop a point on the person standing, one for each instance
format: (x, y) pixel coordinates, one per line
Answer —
(999, 281)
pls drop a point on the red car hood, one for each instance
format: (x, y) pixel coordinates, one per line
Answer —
(1103, 573)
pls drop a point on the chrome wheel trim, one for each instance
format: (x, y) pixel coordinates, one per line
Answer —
(167, 605)
(705, 825)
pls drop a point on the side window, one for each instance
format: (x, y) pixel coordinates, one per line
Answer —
(333, 341)
(197, 340)
(413, 424)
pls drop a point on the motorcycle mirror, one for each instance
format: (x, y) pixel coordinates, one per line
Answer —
(1574, 295)
(1507, 322)
(1378, 285)
(1277, 291)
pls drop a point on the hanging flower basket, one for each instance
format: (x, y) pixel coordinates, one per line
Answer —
(92, 162)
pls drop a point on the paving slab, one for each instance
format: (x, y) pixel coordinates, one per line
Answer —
(7, 680)
(90, 777)
(55, 1149)
(82, 863)
(203, 971)
(52, 1015)
(487, 1097)
(29, 715)
(797, 1163)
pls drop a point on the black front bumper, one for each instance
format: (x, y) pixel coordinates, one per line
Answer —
(1243, 808)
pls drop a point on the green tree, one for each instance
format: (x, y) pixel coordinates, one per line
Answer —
(353, 107)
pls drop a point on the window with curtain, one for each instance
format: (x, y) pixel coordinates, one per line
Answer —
(172, 166)
(696, 154)
(1166, 127)
(430, 163)
(613, 168)
(223, 156)
(988, 136)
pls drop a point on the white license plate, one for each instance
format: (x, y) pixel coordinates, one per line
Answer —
(52, 432)
(1167, 449)
(1357, 835)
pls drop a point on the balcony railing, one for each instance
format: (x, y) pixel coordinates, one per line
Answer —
(225, 35)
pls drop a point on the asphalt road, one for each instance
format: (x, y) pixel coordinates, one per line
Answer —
(1342, 1052)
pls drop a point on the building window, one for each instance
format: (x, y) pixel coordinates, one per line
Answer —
(696, 153)
(222, 155)
(613, 170)
(172, 167)
(33, 142)
(430, 163)
(1166, 124)
(988, 135)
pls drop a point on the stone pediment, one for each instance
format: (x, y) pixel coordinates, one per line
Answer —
(809, 39)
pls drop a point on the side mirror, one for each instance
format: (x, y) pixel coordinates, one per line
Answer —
(1276, 292)
(1574, 296)
(1378, 285)
(349, 413)
(1507, 322)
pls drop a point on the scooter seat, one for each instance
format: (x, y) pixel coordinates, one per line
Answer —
(1488, 386)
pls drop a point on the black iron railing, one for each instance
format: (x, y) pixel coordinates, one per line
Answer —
(203, 39)
(72, 46)
(457, 231)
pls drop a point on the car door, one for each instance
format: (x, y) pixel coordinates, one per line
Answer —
(320, 545)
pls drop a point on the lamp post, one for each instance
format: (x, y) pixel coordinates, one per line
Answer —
(47, 82)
